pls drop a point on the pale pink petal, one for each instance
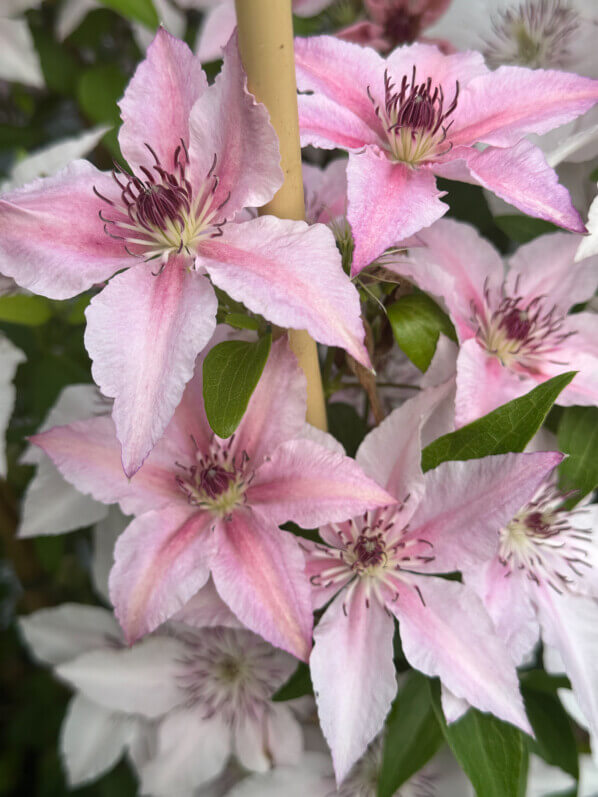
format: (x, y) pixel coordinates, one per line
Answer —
(87, 454)
(92, 739)
(62, 633)
(578, 353)
(506, 597)
(311, 485)
(570, 623)
(353, 673)
(191, 750)
(137, 680)
(325, 124)
(52, 241)
(249, 744)
(258, 571)
(456, 264)
(430, 61)
(206, 609)
(341, 71)
(365, 33)
(545, 267)
(319, 558)
(284, 736)
(159, 565)
(309, 8)
(398, 466)
(484, 383)
(158, 100)
(453, 707)
(501, 107)
(292, 275)
(325, 191)
(312, 776)
(217, 25)
(521, 176)
(143, 335)
(387, 203)
(276, 410)
(467, 503)
(228, 124)
(447, 633)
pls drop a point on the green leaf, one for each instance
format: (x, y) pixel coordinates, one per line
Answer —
(298, 685)
(98, 90)
(523, 228)
(578, 437)
(412, 735)
(241, 321)
(417, 322)
(231, 372)
(22, 309)
(555, 741)
(493, 754)
(542, 681)
(508, 428)
(346, 425)
(136, 10)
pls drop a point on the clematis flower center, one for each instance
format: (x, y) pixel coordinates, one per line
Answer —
(536, 34)
(216, 481)
(415, 119)
(518, 333)
(158, 214)
(540, 541)
(370, 552)
(229, 672)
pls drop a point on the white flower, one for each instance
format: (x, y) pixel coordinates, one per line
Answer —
(18, 58)
(10, 357)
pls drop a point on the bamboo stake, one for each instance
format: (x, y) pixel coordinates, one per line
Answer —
(266, 46)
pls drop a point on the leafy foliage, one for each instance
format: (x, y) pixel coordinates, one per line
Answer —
(417, 322)
(578, 437)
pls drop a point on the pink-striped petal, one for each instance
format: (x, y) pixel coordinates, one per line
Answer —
(206, 609)
(501, 107)
(467, 503)
(276, 410)
(325, 191)
(521, 176)
(353, 673)
(231, 135)
(306, 483)
(160, 562)
(430, 61)
(545, 267)
(143, 335)
(325, 124)
(447, 633)
(258, 571)
(388, 202)
(292, 275)
(217, 25)
(88, 455)
(52, 241)
(158, 100)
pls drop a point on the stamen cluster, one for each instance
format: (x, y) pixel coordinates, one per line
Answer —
(536, 34)
(414, 118)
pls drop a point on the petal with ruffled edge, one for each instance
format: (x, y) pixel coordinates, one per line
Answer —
(292, 275)
(143, 335)
(465, 505)
(231, 135)
(443, 69)
(191, 750)
(447, 633)
(62, 633)
(570, 623)
(387, 203)
(160, 562)
(501, 107)
(521, 176)
(545, 267)
(52, 241)
(507, 600)
(276, 409)
(157, 102)
(353, 673)
(325, 124)
(137, 680)
(258, 571)
(341, 71)
(87, 454)
(484, 383)
(306, 483)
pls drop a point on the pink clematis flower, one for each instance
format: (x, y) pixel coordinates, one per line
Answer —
(419, 113)
(543, 582)
(394, 22)
(204, 505)
(381, 565)
(198, 154)
(514, 331)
